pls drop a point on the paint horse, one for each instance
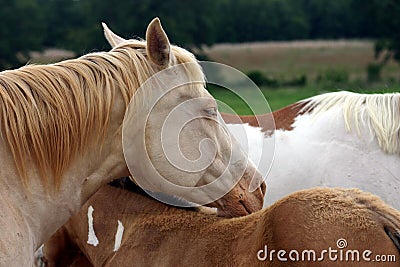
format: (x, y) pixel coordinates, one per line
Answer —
(61, 128)
(338, 139)
(314, 227)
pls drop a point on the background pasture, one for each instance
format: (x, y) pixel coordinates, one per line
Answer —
(291, 48)
(325, 65)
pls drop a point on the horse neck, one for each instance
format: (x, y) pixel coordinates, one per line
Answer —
(246, 236)
(228, 238)
(43, 210)
(147, 221)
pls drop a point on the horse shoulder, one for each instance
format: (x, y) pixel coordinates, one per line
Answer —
(15, 241)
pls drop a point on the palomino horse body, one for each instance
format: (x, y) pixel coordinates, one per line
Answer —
(337, 139)
(62, 129)
(154, 234)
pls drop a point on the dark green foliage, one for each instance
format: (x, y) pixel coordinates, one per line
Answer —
(257, 77)
(333, 77)
(21, 29)
(75, 24)
(374, 71)
(384, 20)
(296, 81)
(261, 80)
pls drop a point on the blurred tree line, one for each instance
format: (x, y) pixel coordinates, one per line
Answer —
(27, 25)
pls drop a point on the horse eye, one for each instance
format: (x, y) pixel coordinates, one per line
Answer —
(211, 111)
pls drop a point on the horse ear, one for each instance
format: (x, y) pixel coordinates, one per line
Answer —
(111, 37)
(158, 46)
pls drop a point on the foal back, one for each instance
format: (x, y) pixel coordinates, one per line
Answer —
(159, 235)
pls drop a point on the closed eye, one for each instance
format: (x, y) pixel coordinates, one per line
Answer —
(211, 111)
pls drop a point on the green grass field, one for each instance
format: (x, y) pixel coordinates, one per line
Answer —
(310, 58)
(281, 97)
(277, 98)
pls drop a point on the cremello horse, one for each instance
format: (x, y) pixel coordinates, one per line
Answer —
(315, 227)
(61, 130)
(339, 139)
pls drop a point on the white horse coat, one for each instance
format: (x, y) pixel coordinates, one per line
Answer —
(343, 140)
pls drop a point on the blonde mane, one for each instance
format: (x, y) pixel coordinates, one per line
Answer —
(380, 112)
(50, 113)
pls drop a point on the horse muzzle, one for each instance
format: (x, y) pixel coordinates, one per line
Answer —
(240, 201)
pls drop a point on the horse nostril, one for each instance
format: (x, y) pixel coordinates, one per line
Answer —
(263, 188)
(241, 196)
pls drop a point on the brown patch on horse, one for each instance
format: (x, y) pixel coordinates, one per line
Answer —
(285, 117)
(281, 119)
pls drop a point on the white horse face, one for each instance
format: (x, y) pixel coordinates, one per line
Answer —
(183, 147)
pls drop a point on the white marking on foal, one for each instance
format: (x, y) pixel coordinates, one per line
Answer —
(92, 238)
(118, 236)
